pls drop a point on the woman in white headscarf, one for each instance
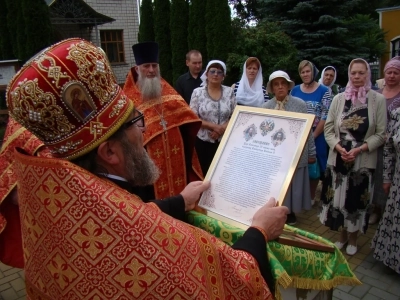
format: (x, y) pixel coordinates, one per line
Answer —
(249, 90)
(213, 103)
(328, 78)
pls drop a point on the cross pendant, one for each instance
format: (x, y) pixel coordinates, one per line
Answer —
(164, 124)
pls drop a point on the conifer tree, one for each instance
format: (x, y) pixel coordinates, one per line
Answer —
(179, 33)
(218, 29)
(268, 43)
(146, 26)
(197, 27)
(163, 37)
(38, 27)
(5, 40)
(16, 28)
(320, 30)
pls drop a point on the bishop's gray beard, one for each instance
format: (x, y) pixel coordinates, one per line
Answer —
(150, 88)
(138, 165)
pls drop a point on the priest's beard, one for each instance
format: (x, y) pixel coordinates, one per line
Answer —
(139, 167)
(149, 87)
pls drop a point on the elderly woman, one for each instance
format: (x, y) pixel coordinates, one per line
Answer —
(328, 78)
(387, 237)
(298, 195)
(391, 91)
(249, 90)
(354, 130)
(318, 99)
(214, 104)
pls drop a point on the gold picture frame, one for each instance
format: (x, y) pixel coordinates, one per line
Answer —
(256, 160)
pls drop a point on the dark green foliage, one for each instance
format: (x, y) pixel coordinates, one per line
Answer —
(250, 9)
(6, 51)
(323, 33)
(218, 29)
(179, 32)
(146, 26)
(246, 9)
(29, 27)
(163, 36)
(389, 3)
(197, 27)
(268, 43)
(14, 13)
(366, 36)
(38, 28)
(20, 33)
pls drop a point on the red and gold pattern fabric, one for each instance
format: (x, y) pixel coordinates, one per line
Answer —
(10, 228)
(68, 97)
(167, 147)
(85, 238)
(15, 136)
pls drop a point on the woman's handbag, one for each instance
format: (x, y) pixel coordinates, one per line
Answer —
(313, 170)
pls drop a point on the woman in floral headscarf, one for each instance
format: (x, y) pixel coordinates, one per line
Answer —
(354, 130)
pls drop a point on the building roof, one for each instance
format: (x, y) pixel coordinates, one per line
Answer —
(75, 12)
(388, 9)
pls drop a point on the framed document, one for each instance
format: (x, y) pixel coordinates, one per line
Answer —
(256, 160)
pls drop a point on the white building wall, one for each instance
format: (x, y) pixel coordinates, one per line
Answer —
(125, 13)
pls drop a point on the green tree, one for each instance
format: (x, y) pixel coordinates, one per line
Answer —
(320, 30)
(38, 27)
(370, 44)
(146, 26)
(268, 43)
(247, 10)
(163, 36)
(197, 27)
(218, 29)
(15, 27)
(250, 9)
(6, 51)
(179, 32)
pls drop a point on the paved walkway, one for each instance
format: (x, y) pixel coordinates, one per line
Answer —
(379, 282)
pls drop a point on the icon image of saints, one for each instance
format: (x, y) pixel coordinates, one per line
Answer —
(250, 132)
(278, 137)
(77, 100)
(267, 126)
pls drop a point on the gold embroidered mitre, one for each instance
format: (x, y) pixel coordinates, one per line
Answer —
(68, 96)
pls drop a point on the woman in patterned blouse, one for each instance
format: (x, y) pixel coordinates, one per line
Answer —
(214, 104)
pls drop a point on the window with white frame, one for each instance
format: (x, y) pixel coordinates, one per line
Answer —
(396, 47)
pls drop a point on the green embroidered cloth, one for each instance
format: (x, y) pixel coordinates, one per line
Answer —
(292, 266)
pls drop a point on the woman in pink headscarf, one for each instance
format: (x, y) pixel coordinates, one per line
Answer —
(354, 129)
(391, 91)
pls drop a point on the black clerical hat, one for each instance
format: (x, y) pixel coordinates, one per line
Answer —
(146, 52)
